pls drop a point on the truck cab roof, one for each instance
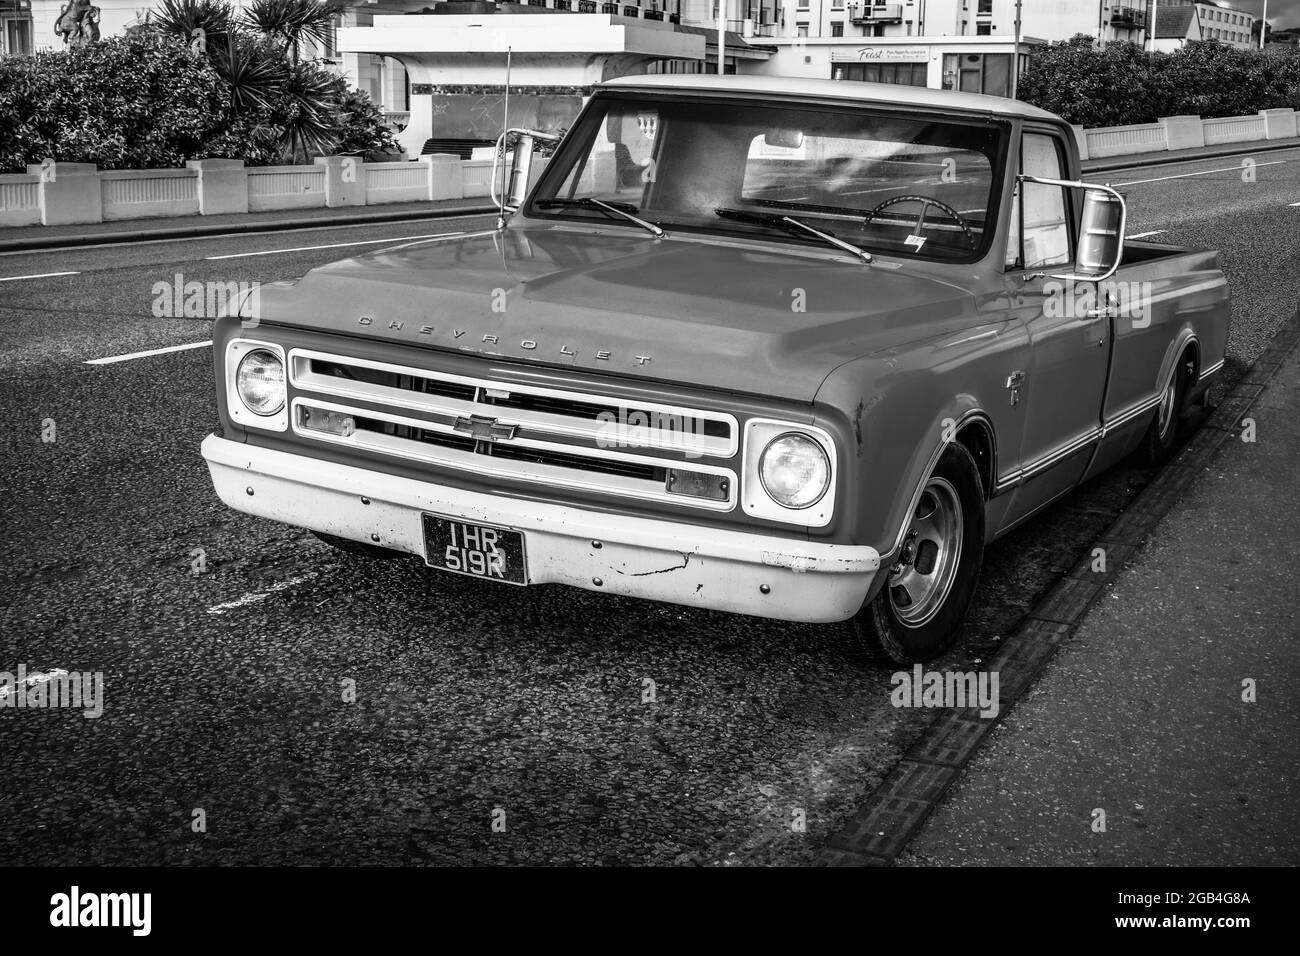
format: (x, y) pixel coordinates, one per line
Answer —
(860, 92)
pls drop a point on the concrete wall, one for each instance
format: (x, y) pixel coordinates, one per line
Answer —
(60, 193)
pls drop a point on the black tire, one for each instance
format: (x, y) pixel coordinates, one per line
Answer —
(1158, 443)
(924, 619)
(359, 548)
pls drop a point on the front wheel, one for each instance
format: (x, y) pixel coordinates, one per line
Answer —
(918, 613)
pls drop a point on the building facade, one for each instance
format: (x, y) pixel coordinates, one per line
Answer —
(1216, 21)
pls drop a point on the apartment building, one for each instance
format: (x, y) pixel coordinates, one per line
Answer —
(1215, 21)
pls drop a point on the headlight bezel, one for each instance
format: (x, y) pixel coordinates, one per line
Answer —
(237, 352)
(757, 501)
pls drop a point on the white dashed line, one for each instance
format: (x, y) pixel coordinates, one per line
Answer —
(135, 355)
(1143, 235)
(1203, 172)
(40, 275)
(335, 245)
(252, 597)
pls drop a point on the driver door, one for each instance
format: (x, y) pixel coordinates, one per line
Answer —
(1060, 395)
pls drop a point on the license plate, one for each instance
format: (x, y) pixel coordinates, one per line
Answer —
(480, 551)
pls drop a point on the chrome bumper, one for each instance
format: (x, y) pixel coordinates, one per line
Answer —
(638, 557)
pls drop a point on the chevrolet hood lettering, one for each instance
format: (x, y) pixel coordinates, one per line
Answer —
(720, 315)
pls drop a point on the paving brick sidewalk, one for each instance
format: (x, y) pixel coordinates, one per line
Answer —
(1140, 713)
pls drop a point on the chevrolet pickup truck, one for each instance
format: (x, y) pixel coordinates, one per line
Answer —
(789, 348)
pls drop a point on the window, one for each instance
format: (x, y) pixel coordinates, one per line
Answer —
(978, 73)
(837, 4)
(985, 6)
(983, 29)
(18, 36)
(801, 29)
(678, 161)
(837, 29)
(1040, 221)
(901, 74)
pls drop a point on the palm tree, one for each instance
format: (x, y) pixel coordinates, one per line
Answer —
(205, 24)
(295, 22)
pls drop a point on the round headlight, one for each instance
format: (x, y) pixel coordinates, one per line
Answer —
(260, 382)
(795, 471)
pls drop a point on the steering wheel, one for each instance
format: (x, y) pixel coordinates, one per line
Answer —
(926, 202)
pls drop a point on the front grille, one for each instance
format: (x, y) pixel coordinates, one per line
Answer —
(510, 430)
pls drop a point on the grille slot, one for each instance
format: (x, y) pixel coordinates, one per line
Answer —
(529, 432)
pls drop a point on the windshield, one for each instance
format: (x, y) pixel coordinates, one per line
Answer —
(890, 183)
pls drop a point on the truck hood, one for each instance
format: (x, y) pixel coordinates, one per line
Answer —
(747, 317)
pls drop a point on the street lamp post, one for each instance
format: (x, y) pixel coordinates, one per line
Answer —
(1263, 24)
(1015, 57)
(722, 37)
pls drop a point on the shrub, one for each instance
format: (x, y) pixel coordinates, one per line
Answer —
(127, 102)
(1122, 84)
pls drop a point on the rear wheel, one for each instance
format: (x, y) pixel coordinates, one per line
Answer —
(1158, 443)
(918, 613)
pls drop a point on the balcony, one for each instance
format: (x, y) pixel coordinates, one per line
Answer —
(1128, 18)
(876, 12)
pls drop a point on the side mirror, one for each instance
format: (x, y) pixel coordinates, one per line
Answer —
(1101, 234)
(521, 164)
(1101, 237)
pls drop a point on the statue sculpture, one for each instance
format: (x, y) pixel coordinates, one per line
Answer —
(78, 23)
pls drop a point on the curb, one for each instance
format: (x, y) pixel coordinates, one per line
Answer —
(893, 814)
(1112, 163)
(215, 229)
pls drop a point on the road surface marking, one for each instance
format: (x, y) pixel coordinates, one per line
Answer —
(252, 597)
(1203, 172)
(1143, 235)
(31, 680)
(135, 355)
(335, 245)
(41, 275)
(1295, 204)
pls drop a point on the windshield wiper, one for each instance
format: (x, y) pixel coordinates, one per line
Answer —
(623, 209)
(792, 225)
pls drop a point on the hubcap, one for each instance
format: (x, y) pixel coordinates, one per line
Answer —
(921, 579)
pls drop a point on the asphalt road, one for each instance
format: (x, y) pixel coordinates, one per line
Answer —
(224, 690)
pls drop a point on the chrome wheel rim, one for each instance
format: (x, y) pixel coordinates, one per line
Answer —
(1166, 416)
(922, 577)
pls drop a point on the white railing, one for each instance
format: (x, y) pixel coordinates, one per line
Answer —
(285, 187)
(1125, 140)
(478, 177)
(20, 199)
(226, 186)
(396, 182)
(143, 193)
(1234, 129)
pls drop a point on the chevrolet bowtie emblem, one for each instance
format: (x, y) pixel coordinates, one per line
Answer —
(482, 428)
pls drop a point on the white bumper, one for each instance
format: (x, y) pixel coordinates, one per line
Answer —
(638, 557)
